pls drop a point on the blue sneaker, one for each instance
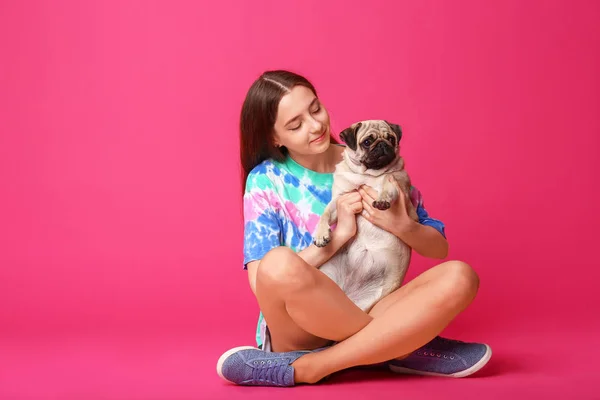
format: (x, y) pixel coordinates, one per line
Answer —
(444, 357)
(253, 367)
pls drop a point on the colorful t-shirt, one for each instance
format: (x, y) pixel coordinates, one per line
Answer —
(283, 203)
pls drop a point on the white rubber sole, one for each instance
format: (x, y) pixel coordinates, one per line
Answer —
(470, 371)
(227, 354)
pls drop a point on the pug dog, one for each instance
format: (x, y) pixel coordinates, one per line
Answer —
(373, 263)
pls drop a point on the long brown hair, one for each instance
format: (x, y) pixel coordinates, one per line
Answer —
(258, 116)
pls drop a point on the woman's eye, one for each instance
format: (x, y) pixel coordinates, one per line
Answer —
(296, 127)
(316, 110)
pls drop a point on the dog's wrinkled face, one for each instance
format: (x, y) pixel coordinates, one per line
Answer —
(373, 143)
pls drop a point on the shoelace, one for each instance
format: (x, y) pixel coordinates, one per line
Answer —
(431, 349)
(270, 371)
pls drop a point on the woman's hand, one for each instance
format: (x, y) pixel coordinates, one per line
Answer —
(347, 206)
(395, 219)
(425, 240)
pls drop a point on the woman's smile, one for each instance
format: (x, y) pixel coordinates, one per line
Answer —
(320, 138)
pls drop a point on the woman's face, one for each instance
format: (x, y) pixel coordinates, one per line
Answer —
(302, 124)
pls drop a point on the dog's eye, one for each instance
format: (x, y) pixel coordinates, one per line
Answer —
(367, 142)
(392, 140)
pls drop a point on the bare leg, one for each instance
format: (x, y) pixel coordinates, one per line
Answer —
(304, 308)
(409, 321)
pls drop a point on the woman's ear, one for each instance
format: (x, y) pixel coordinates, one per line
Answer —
(275, 141)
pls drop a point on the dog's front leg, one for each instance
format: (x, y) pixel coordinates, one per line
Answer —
(323, 232)
(387, 195)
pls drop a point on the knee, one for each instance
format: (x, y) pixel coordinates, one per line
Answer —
(462, 282)
(283, 267)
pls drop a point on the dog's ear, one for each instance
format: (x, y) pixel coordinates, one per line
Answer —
(348, 135)
(396, 129)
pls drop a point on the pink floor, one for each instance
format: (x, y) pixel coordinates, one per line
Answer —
(545, 363)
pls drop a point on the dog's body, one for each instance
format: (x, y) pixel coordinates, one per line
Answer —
(374, 262)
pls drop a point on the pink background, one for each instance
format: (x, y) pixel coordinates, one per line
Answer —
(121, 239)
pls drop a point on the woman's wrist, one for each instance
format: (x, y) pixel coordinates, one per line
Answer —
(406, 229)
(340, 238)
(317, 256)
(425, 240)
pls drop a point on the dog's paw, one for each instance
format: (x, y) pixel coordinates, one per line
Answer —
(381, 204)
(322, 240)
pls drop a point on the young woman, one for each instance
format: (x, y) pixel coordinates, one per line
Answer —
(308, 328)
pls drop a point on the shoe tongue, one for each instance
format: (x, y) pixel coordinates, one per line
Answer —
(442, 345)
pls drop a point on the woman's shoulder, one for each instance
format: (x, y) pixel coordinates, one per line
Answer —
(263, 176)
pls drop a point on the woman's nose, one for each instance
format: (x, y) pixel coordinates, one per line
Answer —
(316, 125)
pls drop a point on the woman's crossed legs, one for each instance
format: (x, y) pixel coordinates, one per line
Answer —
(304, 309)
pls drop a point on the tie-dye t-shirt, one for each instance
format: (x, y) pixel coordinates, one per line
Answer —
(283, 202)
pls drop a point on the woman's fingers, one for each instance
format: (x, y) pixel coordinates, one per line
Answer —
(368, 192)
(357, 207)
(365, 195)
(368, 207)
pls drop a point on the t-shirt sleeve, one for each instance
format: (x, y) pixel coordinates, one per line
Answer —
(262, 227)
(424, 218)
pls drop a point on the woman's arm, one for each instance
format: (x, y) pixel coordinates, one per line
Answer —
(347, 206)
(423, 239)
(317, 256)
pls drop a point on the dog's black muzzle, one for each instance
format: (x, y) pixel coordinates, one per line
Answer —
(380, 156)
